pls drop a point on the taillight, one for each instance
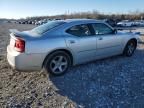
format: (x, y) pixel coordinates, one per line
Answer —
(19, 45)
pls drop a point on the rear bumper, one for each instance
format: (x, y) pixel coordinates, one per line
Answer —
(24, 62)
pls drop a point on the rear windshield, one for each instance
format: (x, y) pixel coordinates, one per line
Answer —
(45, 27)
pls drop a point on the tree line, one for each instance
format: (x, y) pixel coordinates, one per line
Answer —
(95, 15)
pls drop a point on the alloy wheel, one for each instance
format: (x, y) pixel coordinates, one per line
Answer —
(59, 64)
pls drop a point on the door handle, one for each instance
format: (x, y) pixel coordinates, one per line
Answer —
(100, 38)
(72, 41)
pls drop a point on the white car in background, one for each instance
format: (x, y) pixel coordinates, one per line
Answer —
(125, 23)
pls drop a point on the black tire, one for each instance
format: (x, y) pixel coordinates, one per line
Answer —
(127, 51)
(48, 62)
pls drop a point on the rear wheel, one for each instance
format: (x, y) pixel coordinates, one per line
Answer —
(130, 48)
(57, 63)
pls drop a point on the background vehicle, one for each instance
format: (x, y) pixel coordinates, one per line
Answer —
(57, 45)
(125, 23)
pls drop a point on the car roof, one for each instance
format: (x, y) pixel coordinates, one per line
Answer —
(82, 20)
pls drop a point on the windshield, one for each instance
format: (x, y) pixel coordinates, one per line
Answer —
(45, 27)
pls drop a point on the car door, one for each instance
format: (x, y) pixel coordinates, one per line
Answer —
(82, 42)
(108, 42)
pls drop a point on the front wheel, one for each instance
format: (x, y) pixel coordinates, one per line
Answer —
(57, 63)
(130, 48)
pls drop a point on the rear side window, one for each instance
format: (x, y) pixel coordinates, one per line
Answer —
(101, 29)
(79, 30)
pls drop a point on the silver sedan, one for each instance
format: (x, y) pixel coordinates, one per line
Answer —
(57, 45)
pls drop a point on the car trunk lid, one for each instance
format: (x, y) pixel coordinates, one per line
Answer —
(25, 34)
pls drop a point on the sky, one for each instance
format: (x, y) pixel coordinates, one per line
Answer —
(27, 8)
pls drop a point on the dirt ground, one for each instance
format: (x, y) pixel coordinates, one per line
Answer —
(116, 82)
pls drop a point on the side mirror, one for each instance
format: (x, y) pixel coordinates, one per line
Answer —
(115, 31)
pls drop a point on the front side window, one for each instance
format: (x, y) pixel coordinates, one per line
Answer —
(79, 30)
(101, 29)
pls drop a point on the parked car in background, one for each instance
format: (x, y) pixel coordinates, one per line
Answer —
(40, 22)
(29, 22)
(57, 45)
(141, 23)
(125, 23)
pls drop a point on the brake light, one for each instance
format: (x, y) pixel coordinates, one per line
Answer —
(19, 45)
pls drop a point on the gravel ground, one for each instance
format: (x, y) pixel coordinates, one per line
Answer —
(116, 82)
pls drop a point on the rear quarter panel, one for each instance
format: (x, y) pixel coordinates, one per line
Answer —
(40, 48)
(44, 45)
